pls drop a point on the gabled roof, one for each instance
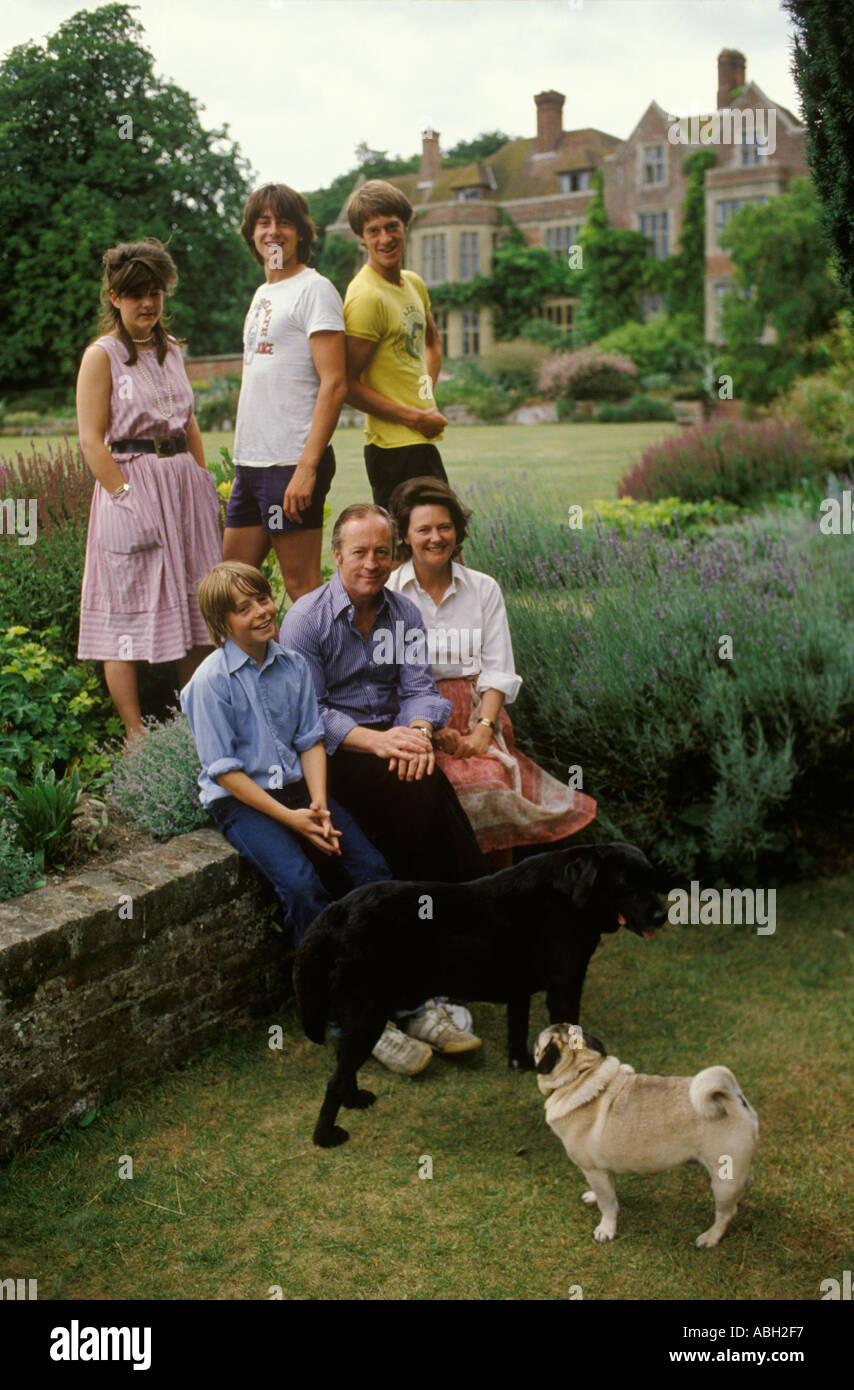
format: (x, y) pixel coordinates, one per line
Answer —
(517, 171)
(751, 97)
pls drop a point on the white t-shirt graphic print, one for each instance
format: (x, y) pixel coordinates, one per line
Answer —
(280, 381)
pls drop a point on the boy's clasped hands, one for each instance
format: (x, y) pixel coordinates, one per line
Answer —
(314, 823)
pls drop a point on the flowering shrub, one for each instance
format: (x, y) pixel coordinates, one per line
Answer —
(588, 374)
(155, 782)
(714, 763)
(738, 462)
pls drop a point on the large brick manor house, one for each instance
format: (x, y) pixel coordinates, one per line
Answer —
(545, 184)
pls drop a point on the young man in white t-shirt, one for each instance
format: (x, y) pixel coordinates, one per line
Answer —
(294, 382)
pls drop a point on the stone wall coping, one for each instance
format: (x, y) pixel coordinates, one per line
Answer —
(54, 917)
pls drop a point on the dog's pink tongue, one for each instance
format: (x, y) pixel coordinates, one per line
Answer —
(621, 919)
(649, 935)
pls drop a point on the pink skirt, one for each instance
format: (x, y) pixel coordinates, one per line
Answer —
(508, 799)
(146, 553)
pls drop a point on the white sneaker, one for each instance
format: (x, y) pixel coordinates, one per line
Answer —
(460, 1015)
(436, 1027)
(401, 1053)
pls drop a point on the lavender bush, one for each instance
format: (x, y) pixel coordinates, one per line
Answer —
(155, 780)
(712, 762)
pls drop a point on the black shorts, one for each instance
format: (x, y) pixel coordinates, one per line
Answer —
(388, 467)
(257, 495)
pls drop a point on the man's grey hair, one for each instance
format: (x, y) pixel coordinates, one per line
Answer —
(355, 512)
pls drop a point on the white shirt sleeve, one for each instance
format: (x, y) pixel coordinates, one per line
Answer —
(497, 668)
(322, 309)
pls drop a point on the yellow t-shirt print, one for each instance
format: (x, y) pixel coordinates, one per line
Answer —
(410, 340)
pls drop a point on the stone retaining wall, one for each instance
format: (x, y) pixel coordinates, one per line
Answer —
(111, 975)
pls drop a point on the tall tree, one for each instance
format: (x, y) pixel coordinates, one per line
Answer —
(614, 271)
(96, 149)
(823, 65)
(784, 279)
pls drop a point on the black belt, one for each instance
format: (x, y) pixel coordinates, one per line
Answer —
(163, 448)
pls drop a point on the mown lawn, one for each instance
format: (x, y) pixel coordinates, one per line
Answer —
(230, 1198)
(565, 463)
(575, 462)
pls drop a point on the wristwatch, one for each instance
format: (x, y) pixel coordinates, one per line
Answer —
(125, 487)
(426, 732)
(490, 723)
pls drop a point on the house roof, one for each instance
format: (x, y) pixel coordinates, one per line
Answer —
(517, 171)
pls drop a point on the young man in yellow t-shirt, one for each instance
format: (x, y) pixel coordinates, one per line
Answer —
(392, 346)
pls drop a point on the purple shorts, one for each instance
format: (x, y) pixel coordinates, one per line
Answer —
(256, 497)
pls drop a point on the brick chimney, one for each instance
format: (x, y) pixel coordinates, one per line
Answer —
(549, 121)
(430, 157)
(731, 69)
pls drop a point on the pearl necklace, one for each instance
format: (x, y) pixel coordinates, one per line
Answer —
(143, 340)
(167, 414)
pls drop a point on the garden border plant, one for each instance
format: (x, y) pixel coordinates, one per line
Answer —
(717, 761)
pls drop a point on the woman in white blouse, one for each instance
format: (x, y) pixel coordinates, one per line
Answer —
(508, 799)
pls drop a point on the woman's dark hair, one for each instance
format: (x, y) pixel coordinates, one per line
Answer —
(135, 267)
(426, 492)
(287, 205)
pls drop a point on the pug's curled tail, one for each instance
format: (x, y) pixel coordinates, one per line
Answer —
(715, 1093)
(311, 985)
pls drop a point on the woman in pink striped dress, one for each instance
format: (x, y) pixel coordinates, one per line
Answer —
(154, 525)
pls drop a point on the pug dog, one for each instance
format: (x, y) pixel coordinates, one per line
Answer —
(612, 1121)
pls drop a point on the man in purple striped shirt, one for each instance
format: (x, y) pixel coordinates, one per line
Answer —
(380, 706)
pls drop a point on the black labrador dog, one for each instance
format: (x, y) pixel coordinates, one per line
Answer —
(389, 946)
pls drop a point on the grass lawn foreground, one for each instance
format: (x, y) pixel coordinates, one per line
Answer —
(230, 1198)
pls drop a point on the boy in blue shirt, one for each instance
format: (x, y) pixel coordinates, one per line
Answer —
(254, 715)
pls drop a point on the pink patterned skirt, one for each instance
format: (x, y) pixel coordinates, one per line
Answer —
(146, 553)
(508, 799)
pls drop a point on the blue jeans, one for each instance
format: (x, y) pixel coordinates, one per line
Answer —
(305, 879)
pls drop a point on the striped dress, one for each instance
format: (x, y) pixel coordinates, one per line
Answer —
(147, 549)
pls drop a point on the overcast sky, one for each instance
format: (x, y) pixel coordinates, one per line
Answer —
(301, 82)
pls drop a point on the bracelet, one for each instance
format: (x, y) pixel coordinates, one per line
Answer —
(125, 487)
(490, 723)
